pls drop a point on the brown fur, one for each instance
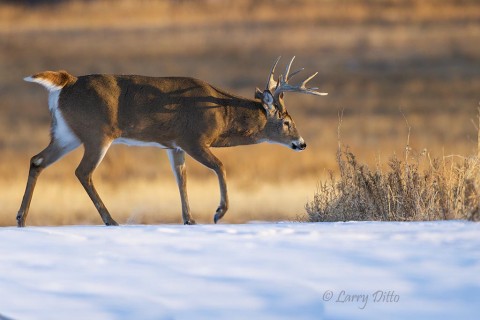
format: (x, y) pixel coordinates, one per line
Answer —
(168, 111)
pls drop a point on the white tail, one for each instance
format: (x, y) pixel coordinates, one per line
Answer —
(182, 115)
(52, 81)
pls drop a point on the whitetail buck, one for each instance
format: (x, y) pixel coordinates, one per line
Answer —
(182, 115)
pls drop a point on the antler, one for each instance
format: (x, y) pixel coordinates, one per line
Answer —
(282, 84)
(271, 83)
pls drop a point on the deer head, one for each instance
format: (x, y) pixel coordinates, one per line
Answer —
(280, 127)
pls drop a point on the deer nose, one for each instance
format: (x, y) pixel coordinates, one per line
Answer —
(299, 145)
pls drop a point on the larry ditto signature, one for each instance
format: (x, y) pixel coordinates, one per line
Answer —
(361, 299)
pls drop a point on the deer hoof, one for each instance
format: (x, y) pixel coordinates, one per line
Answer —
(221, 210)
(111, 223)
(190, 222)
(20, 220)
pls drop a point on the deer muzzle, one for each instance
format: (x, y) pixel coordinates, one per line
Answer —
(299, 145)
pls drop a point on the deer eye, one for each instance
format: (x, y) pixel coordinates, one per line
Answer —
(286, 124)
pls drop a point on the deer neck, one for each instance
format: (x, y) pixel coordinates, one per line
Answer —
(246, 124)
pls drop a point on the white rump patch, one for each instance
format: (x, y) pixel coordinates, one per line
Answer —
(138, 143)
(53, 99)
(44, 82)
(61, 131)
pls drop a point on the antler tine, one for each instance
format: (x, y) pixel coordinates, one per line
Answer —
(315, 93)
(271, 81)
(287, 70)
(311, 90)
(295, 72)
(283, 86)
(308, 79)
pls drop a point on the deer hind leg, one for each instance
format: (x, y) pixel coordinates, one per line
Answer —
(53, 152)
(177, 162)
(91, 159)
(206, 157)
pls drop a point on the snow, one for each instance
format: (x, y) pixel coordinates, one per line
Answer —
(361, 270)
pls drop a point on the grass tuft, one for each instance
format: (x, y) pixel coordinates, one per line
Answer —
(417, 188)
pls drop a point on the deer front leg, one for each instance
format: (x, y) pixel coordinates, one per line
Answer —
(92, 157)
(206, 157)
(177, 162)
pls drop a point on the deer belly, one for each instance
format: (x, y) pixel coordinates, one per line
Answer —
(139, 143)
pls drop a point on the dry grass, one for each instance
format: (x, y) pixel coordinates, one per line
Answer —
(374, 57)
(415, 188)
(55, 14)
(445, 190)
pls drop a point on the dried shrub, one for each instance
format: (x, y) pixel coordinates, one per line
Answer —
(417, 188)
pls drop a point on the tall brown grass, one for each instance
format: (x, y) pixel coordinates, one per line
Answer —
(414, 188)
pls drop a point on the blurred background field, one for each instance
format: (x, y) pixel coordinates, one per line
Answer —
(377, 60)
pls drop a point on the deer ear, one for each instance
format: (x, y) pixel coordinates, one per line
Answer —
(267, 102)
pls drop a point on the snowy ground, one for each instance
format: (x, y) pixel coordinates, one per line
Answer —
(365, 270)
